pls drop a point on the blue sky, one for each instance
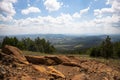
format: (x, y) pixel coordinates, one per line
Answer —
(59, 17)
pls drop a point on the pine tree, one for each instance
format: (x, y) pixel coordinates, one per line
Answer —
(40, 45)
(116, 49)
(6, 41)
(0, 45)
(107, 48)
(104, 50)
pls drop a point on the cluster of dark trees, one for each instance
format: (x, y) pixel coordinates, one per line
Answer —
(38, 45)
(107, 49)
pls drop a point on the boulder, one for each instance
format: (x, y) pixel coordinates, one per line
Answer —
(15, 53)
(36, 59)
(72, 64)
(55, 73)
(39, 68)
(58, 59)
(40, 60)
(48, 60)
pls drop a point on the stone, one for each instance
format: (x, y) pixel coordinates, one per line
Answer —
(39, 68)
(15, 53)
(55, 73)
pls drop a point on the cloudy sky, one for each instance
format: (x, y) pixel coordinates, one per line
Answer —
(59, 17)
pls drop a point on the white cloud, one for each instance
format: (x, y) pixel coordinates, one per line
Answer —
(76, 15)
(108, 2)
(109, 17)
(114, 9)
(47, 20)
(83, 11)
(99, 13)
(108, 20)
(52, 5)
(12, 1)
(3, 18)
(66, 24)
(7, 9)
(30, 10)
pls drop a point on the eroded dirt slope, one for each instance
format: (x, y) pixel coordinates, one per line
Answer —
(15, 66)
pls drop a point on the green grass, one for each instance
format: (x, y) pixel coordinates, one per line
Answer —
(45, 54)
(34, 53)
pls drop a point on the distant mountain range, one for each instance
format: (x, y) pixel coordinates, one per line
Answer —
(69, 42)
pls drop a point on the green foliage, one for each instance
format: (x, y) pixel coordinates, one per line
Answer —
(116, 49)
(0, 45)
(106, 50)
(95, 52)
(39, 45)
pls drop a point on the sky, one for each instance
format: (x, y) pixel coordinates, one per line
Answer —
(83, 17)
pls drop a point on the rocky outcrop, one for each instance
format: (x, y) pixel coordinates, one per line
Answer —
(15, 66)
(15, 53)
(55, 73)
(48, 60)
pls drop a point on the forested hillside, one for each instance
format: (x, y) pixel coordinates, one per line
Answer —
(39, 45)
(106, 49)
